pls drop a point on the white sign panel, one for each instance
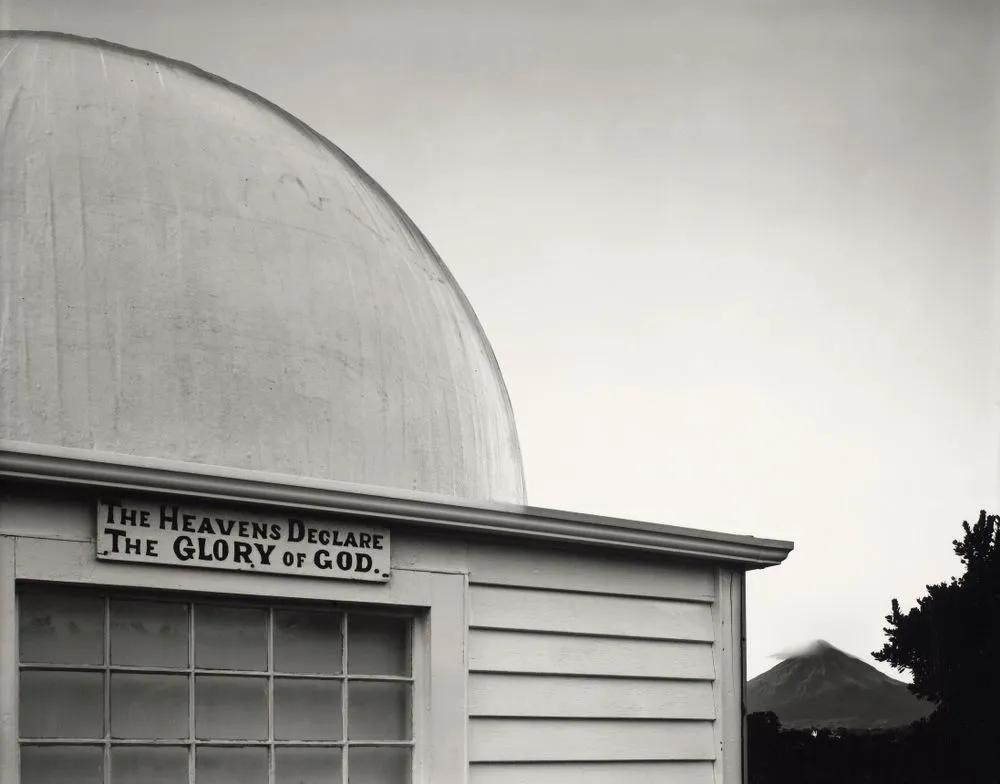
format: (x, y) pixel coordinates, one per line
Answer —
(174, 534)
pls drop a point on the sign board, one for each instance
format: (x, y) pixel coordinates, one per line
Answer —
(175, 534)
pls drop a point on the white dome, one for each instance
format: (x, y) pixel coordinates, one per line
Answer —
(187, 272)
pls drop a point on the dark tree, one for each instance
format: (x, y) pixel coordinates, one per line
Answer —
(950, 641)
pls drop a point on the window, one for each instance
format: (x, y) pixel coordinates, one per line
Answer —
(156, 690)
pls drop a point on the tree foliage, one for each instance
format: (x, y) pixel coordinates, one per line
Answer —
(950, 641)
(906, 755)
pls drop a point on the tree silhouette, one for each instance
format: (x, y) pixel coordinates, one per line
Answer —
(950, 641)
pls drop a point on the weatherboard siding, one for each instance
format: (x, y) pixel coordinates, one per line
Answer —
(499, 651)
(584, 666)
(592, 773)
(595, 668)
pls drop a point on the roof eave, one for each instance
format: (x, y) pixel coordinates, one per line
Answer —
(33, 463)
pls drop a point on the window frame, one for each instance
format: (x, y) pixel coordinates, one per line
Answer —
(433, 599)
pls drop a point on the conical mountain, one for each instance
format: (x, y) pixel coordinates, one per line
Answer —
(823, 687)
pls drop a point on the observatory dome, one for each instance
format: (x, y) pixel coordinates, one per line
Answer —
(188, 272)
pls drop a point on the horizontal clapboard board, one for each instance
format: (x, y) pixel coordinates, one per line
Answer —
(610, 573)
(551, 696)
(539, 652)
(536, 740)
(593, 773)
(574, 613)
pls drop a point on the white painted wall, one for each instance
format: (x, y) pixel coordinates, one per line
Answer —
(550, 666)
(591, 668)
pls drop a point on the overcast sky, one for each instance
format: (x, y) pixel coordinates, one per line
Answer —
(736, 258)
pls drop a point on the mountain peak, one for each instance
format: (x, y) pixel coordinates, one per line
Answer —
(814, 648)
(819, 685)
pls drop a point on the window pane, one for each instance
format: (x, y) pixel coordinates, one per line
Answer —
(149, 634)
(149, 706)
(61, 629)
(62, 764)
(240, 765)
(62, 704)
(307, 710)
(230, 638)
(379, 766)
(149, 765)
(378, 645)
(307, 766)
(307, 642)
(230, 708)
(378, 711)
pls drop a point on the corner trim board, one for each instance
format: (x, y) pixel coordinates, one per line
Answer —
(9, 750)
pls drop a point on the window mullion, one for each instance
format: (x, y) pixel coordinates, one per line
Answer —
(270, 696)
(345, 754)
(107, 690)
(192, 761)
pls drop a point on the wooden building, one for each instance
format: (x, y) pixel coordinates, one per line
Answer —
(262, 514)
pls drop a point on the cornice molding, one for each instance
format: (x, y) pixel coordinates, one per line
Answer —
(31, 463)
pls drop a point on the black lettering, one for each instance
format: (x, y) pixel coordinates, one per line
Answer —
(363, 562)
(188, 523)
(321, 558)
(184, 549)
(364, 540)
(111, 515)
(324, 536)
(144, 518)
(336, 539)
(275, 532)
(225, 526)
(259, 530)
(377, 541)
(168, 518)
(264, 551)
(128, 516)
(241, 552)
(349, 540)
(151, 548)
(345, 561)
(296, 531)
(245, 529)
(114, 538)
(220, 549)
